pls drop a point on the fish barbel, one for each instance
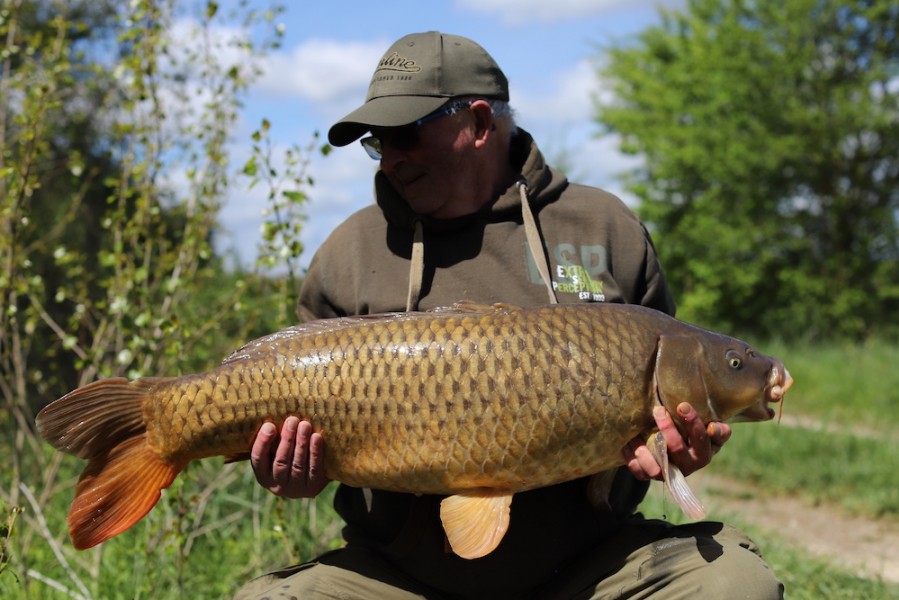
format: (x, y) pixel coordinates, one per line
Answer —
(472, 402)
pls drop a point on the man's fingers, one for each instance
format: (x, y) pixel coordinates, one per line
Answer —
(261, 453)
(299, 470)
(699, 450)
(291, 464)
(316, 479)
(282, 465)
(640, 461)
(718, 434)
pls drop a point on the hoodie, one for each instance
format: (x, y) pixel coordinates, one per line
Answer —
(543, 233)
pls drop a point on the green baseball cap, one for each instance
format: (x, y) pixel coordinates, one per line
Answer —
(417, 75)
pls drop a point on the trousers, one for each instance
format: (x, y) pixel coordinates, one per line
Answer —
(641, 559)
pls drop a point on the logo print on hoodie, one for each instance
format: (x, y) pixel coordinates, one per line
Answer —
(577, 270)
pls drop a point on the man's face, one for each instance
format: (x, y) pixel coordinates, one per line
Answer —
(437, 176)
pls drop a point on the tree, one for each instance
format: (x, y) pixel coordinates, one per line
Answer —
(114, 161)
(770, 138)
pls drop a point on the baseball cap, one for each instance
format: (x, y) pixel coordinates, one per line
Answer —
(417, 75)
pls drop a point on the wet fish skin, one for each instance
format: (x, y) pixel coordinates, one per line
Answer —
(441, 401)
(471, 401)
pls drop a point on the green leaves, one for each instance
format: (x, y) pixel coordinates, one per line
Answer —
(770, 133)
(284, 175)
(115, 160)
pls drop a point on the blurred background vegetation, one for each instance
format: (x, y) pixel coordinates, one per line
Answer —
(770, 139)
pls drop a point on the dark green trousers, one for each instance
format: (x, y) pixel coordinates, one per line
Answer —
(642, 559)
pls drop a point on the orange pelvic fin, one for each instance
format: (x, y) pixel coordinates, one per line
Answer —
(103, 423)
(476, 521)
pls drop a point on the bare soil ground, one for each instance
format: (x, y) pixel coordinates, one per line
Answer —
(861, 546)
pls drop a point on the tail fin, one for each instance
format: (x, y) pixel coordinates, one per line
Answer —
(103, 423)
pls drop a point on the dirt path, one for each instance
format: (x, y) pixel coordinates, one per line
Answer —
(864, 547)
(861, 546)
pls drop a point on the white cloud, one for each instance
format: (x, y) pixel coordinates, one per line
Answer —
(322, 70)
(521, 12)
(568, 98)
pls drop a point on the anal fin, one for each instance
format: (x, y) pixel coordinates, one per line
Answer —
(476, 521)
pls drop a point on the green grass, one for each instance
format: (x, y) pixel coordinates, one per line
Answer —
(859, 474)
(844, 385)
(850, 455)
(213, 530)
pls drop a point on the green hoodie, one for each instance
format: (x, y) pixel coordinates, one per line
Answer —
(596, 250)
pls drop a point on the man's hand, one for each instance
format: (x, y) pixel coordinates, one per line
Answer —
(689, 455)
(290, 465)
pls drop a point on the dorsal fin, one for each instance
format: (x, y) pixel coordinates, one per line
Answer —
(469, 306)
(263, 345)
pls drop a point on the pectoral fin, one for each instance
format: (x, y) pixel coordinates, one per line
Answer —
(476, 521)
(674, 479)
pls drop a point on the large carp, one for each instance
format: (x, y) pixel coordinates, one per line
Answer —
(472, 402)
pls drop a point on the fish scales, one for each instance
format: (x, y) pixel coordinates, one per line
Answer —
(469, 392)
(474, 402)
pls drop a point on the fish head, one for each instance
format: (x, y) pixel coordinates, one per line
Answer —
(723, 378)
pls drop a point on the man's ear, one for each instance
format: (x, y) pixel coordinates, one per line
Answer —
(484, 121)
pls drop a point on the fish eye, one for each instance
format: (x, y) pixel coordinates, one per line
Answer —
(734, 360)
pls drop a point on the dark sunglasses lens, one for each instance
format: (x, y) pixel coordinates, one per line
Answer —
(401, 138)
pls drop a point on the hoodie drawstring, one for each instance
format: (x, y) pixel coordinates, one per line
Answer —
(416, 267)
(535, 244)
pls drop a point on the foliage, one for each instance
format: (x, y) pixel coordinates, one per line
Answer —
(770, 138)
(281, 246)
(114, 162)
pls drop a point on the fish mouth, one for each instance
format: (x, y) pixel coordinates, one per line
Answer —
(779, 381)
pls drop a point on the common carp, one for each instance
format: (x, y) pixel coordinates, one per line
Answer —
(472, 402)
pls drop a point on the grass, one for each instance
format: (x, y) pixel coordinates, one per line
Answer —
(845, 384)
(850, 457)
(216, 529)
(213, 530)
(859, 474)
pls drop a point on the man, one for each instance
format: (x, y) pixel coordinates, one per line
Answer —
(467, 209)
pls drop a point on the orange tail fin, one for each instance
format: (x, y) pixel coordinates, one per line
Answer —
(103, 423)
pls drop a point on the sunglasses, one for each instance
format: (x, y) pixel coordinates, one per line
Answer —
(405, 137)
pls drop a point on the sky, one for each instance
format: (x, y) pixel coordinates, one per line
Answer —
(547, 49)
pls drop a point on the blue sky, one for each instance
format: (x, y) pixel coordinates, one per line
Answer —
(330, 49)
